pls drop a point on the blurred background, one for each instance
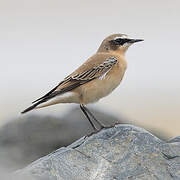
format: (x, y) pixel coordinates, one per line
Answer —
(42, 41)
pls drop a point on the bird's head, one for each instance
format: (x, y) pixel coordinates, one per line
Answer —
(117, 42)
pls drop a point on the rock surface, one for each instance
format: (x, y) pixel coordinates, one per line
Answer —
(122, 152)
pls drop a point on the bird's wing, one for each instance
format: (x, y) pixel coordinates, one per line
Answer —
(90, 70)
(93, 68)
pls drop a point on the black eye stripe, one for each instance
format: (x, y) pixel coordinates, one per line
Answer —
(120, 41)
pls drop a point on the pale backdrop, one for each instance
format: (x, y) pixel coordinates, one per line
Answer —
(42, 41)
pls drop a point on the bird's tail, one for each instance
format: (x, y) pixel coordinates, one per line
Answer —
(54, 97)
(47, 101)
(31, 107)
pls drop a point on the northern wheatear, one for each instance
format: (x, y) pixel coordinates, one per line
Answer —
(94, 79)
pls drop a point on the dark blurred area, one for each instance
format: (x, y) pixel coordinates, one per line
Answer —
(31, 137)
(24, 140)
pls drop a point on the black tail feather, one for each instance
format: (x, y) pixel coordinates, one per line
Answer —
(52, 94)
(29, 109)
(33, 106)
(46, 95)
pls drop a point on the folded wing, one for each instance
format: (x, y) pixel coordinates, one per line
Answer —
(93, 68)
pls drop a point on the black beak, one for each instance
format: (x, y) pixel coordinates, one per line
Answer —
(135, 40)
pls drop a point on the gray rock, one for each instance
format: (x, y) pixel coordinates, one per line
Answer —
(24, 140)
(123, 152)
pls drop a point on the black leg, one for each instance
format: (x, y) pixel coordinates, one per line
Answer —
(85, 113)
(89, 112)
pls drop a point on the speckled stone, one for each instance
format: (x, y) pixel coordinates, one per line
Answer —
(124, 152)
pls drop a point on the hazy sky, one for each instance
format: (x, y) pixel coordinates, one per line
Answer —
(43, 41)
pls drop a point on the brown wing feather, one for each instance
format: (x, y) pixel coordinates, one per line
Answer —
(93, 68)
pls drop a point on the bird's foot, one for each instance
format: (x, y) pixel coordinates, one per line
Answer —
(108, 126)
(98, 130)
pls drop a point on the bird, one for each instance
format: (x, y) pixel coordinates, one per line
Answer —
(96, 78)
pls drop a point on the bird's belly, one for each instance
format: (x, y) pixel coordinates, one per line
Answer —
(99, 88)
